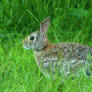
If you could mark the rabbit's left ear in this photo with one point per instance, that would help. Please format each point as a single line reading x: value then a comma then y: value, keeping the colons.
x: 44, y: 25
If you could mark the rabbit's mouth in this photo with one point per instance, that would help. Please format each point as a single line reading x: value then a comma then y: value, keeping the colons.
x: 26, y: 47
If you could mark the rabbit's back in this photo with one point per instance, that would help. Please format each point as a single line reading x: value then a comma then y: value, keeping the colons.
x: 66, y: 51
x: 73, y: 51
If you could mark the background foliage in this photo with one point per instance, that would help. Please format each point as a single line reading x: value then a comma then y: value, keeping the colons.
x: 71, y: 21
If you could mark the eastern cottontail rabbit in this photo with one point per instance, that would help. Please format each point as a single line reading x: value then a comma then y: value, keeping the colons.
x: 65, y: 57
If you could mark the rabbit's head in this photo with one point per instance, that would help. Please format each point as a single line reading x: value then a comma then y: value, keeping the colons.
x: 37, y: 40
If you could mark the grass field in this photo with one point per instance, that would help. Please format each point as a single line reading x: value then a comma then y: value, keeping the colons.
x: 71, y: 21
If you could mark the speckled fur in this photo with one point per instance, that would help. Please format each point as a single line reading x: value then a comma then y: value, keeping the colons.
x: 51, y: 57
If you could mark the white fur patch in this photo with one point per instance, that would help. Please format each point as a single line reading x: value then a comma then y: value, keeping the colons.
x: 50, y: 59
x: 26, y: 47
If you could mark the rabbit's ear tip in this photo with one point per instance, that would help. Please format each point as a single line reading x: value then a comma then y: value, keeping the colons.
x: 48, y: 18
x: 45, y: 20
x: 44, y: 25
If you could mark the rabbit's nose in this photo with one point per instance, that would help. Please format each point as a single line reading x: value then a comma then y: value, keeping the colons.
x: 24, y: 42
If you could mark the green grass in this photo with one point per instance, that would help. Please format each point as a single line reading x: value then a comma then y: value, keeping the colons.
x: 71, y: 21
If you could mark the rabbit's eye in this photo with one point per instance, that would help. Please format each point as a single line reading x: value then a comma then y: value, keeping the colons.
x: 32, y: 38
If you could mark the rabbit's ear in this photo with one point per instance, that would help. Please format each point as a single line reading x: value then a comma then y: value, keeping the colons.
x: 44, y: 25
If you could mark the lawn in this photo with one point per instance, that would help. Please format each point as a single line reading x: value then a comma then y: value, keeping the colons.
x: 71, y: 21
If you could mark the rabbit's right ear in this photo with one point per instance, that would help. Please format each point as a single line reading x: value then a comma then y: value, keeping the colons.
x: 44, y: 25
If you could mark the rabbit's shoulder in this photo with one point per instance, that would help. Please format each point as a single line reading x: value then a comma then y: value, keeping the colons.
x: 49, y: 50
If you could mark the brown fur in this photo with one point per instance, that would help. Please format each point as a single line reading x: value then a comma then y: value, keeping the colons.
x: 51, y: 56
